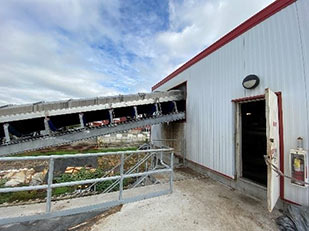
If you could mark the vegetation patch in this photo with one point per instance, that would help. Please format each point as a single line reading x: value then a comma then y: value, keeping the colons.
x: 82, y: 174
x: 65, y: 152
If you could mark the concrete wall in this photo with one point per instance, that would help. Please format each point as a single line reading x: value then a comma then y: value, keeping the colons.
x: 128, y: 138
x: 173, y: 134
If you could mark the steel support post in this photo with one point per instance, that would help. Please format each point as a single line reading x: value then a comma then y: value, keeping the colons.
x: 81, y: 120
x: 46, y: 125
x: 111, y: 116
x: 172, y: 173
x: 49, y: 182
x: 175, y: 107
x: 6, y: 132
x: 121, y: 177
x: 137, y: 170
x: 152, y: 161
x: 157, y: 109
x: 135, y: 112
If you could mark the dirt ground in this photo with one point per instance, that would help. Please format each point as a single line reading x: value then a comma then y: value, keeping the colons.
x: 196, y: 204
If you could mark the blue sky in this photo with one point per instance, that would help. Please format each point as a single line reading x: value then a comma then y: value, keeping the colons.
x: 62, y: 49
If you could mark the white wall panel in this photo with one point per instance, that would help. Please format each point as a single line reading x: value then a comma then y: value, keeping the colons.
x: 302, y: 8
x: 273, y: 52
x: 277, y: 50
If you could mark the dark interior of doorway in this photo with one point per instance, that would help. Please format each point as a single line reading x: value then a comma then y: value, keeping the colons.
x: 254, y: 141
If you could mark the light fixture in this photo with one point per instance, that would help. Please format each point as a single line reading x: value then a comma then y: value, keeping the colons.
x: 250, y: 82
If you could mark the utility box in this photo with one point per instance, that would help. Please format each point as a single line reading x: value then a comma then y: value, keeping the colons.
x: 299, y: 167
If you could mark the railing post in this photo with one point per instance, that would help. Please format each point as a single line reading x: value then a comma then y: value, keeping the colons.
x: 172, y: 173
x: 49, y: 182
x: 121, y: 175
x: 137, y: 170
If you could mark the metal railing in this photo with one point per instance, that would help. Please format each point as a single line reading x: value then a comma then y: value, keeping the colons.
x: 165, y: 169
x: 178, y: 145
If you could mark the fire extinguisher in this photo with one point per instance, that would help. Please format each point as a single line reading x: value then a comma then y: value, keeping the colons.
x: 298, y: 172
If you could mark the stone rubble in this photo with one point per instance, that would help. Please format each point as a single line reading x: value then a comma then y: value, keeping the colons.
x: 16, y: 177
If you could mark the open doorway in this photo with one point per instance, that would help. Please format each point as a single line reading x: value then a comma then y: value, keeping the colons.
x: 259, y: 133
x: 253, y: 139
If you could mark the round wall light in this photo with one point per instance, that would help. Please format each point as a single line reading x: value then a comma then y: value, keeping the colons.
x: 250, y: 82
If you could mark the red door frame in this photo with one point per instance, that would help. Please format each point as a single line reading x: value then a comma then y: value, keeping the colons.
x: 281, y: 140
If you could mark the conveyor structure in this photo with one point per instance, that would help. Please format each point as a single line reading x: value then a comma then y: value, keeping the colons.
x: 45, y: 124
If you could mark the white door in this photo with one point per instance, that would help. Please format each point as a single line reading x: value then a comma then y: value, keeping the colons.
x: 272, y: 134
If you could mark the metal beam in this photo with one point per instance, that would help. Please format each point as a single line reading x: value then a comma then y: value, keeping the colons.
x: 42, y: 109
x: 49, y: 141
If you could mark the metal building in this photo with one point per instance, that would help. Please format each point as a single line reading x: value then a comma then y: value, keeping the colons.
x: 226, y: 124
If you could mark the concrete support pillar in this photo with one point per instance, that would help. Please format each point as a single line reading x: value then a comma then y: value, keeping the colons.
x: 6, y: 132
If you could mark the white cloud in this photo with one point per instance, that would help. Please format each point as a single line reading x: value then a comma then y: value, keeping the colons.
x: 52, y: 50
x: 194, y: 25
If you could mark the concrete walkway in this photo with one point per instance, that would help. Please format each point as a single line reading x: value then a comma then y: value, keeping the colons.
x: 196, y: 204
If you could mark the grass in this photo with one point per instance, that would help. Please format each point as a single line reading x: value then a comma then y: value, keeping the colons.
x: 64, y: 152
x: 21, y: 196
x: 2, y: 182
x: 62, y: 190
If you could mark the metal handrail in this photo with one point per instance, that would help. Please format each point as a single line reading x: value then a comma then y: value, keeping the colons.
x: 119, y: 178
x: 132, y: 169
x: 115, y: 167
x: 82, y: 155
x: 165, y: 145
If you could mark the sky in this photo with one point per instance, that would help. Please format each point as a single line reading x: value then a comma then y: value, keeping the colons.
x: 63, y: 49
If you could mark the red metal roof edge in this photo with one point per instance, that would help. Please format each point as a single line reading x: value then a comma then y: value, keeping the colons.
x: 270, y: 10
x: 249, y: 98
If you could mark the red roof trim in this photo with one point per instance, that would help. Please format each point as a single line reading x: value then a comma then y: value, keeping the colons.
x: 251, y: 22
x: 250, y: 98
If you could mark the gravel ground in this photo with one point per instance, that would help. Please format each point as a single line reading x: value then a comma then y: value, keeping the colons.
x: 196, y: 204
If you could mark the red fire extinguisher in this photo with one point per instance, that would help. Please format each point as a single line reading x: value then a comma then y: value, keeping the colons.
x: 298, y: 172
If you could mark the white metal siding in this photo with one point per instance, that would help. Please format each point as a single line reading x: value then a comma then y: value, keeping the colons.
x: 276, y: 50
x: 302, y: 8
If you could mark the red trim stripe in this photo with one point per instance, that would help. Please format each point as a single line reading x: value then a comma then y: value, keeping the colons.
x: 250, y: 98
x: 270, y: 10
x: 291, y: 202
x: 281, y: 148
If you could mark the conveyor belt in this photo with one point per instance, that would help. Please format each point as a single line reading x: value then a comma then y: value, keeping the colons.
x: 42, y: 125
x: 10, y: 113
x: 83, y: 134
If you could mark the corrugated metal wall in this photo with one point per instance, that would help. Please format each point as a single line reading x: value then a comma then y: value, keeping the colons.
x: 276, y: 50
